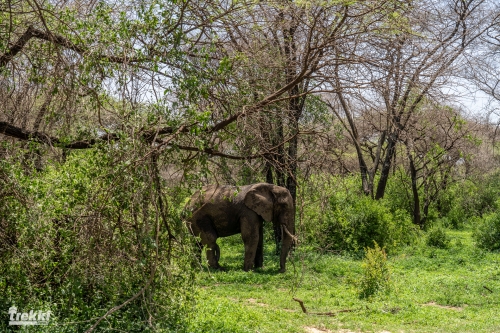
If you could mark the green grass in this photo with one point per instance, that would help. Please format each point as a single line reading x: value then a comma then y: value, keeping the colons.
x: 456, y: 289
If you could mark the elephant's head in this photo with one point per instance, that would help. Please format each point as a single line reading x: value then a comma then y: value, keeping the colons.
x: 274, y: 203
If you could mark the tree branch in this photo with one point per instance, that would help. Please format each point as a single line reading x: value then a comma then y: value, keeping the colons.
x: 32, y: 32
x: 16, y: 48
x: 26, y: 135
x: 213, y: 152
x: 148, y: 136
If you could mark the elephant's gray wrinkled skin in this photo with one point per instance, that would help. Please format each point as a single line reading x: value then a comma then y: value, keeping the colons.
x: 221, y: 211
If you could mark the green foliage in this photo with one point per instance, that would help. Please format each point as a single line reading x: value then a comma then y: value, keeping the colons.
x: 316, y: 112
x: 354, y: 224
x: 397, y: 195
x: 82, y: 237
x: 339, y: 218
x: 455, y: 205
x: 458, y: 203
x: 376, y: 274
x: 437, y: 237
x: 466, y: 199
x: 487, y: 232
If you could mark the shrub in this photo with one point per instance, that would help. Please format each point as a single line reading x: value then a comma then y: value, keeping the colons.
x: 397, y: 196
x: 465, y: 199
x: 459, y: 202
x: 336, y: 216
x: 376, y: 273
x: 437, y: 237
x: 487, y: 232
x: 92, y: 236
x: 356, y: 223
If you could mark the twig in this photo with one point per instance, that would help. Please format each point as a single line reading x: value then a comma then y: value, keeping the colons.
x: 331, y: 314
x: 116, y: 308
x: 491, y: 291
x: 301, y: 304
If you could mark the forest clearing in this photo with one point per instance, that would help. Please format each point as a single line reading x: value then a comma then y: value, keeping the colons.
x: 430, y: 290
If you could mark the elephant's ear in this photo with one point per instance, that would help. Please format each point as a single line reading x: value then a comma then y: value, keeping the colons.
x: 260, y: 201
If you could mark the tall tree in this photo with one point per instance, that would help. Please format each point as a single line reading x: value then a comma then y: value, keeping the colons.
x: 437, y: 144
x: 397, y: 71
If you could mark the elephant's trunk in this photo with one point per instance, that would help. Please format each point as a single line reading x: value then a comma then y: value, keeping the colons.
x: 287, y: 226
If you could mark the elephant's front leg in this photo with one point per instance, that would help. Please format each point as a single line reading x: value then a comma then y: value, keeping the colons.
x: 250, y: 236
x: 259, y: 255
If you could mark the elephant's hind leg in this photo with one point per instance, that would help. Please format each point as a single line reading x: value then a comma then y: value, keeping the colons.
x: 213, y: 250
x: 206, y: 230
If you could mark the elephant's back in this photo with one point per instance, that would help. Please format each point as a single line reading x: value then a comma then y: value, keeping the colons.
x: 214, y: 198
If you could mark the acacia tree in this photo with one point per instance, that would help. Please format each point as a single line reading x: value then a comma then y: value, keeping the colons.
x: 437, y: 144
x: 396, y: 72
x: 269, y: 57
x: 484, y: 69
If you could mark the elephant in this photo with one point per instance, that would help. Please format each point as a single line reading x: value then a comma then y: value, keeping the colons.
x: 224, y: 210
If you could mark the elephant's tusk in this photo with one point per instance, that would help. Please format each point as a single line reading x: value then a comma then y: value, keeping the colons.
x: 294, y: 238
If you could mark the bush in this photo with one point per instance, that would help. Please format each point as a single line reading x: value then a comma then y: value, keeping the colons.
x: 376, y: 273
x: 337, y: 217
x: 487, y: 232
x: 83, y: 237
x: 397, y: 196
x: 459, y: 202
x: 355, y: 224
x: 437, y: 237
x: 466, y: 199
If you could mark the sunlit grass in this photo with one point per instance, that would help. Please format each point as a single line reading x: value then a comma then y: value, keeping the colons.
x: 433, y: 290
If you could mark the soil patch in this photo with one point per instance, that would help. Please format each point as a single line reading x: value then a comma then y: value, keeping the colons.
x: 449, y: 307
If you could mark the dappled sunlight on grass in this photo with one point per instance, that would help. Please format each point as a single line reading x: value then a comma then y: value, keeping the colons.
x: 433, y: 290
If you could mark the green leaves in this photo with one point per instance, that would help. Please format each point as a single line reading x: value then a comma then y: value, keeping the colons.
x: 487, y: 232
x: 376, y: 274
x: 225, y: 66
x: 437, y: 237
x: 88, y: 240
x: 349, y: 221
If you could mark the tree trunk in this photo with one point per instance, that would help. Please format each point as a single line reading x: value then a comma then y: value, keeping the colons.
x: 386, y: 166
x: 291, y: 181
x: 268, y: 171
x: 296, y: 106
x: 280, y: 169
x: 417, y: 218
x: 366, y: 178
